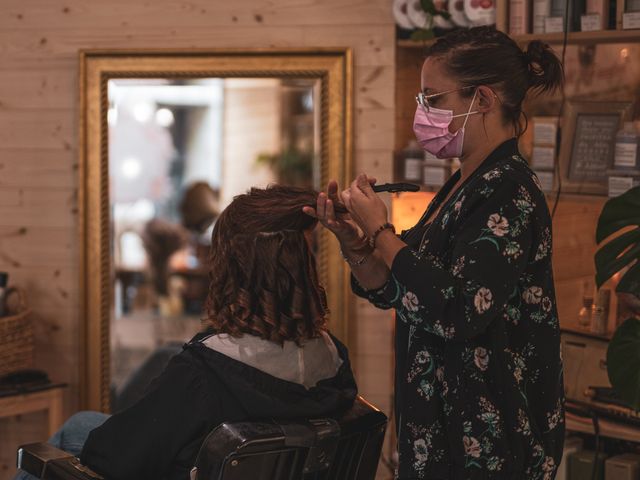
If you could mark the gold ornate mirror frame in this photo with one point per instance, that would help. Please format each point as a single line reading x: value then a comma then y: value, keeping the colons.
x: 333, y: 67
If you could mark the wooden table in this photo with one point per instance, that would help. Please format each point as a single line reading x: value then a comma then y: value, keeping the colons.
x: 49, y: 399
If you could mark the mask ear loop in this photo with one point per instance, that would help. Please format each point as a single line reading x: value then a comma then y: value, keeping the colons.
x: 469, y: 112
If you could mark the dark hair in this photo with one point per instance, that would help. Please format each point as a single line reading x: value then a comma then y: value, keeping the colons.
x: 486, y: 56
x: 263, y: 275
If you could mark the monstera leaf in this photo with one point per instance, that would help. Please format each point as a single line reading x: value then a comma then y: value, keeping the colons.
x: 623, y: 354
x: 623, y: 362
x: 623, y: 251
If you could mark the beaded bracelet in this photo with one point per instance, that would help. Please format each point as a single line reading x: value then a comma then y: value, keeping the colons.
x: 381, y: 228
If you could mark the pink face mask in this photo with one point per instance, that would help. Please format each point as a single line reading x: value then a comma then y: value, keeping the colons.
x: 431, y: 128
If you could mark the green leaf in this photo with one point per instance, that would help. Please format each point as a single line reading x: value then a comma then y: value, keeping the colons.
x: 421, y: 35
x: 619, y: 212
x: 623, y: 362
x: 616, y: 254
x: 630, y: 281
x: 445, y: 15
x: 429, y: 7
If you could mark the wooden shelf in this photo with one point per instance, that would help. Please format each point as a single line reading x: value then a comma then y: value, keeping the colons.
x: 585, y: 333
x: 608, y: 428
x: 574, y: 38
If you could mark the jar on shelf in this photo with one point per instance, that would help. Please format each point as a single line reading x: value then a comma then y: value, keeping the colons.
x: 412, y: 162
x: 600, y: 312
x: 585, y: 313
x: 436, y: 170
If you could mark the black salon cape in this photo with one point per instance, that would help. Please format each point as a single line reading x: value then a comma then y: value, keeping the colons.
x: 159, y: 437
x: 479, y: 390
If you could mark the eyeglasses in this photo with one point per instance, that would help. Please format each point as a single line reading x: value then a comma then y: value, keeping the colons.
x: 423, y: 99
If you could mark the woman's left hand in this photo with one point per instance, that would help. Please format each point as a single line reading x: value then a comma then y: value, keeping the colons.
x: 364, y: 205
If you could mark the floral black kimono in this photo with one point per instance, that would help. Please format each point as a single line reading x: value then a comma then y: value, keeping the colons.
x: 479, y: 388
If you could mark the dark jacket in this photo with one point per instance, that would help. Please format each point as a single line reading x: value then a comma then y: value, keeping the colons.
x: 479, y: 390
x: 159, y: 437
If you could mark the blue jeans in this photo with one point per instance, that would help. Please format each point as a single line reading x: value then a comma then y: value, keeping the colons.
x: 71, y: 436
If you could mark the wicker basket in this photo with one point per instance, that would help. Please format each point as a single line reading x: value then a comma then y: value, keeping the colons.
x: 16, y: 334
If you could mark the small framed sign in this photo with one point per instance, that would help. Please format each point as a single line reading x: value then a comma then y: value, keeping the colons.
x: 588, y: 144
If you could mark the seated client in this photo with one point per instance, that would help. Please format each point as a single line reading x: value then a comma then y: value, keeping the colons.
x: 266, y: 353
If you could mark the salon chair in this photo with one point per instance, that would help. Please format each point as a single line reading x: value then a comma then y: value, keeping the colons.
x: 341, y: 447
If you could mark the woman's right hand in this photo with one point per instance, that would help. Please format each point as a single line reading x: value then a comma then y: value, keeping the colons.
x: 341, y: 225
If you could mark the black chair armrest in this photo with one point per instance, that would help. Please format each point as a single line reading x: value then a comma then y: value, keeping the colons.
x: 49, y: 463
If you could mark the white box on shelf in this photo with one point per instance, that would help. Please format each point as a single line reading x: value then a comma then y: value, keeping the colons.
x: 619, y: 185
x: 622, y: 467
x: 541, y: 10
x: 630, y: 20
x: 601, y: 8
x: 545, y: 131
x: 571, y: 445
x: 434, y: 176
x: 412, y: 167
x: 546, y: 180
x: 553, y: 25
x: 591, y: 22
x: 518, y: 17
x: 543, y: 157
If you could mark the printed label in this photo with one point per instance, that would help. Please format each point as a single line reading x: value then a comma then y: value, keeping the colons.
x: 591, y: 22
x: 554, y: 25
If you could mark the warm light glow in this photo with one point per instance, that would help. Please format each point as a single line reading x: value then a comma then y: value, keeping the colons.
x: 112, y: 116
x: 164, y: 117
x: 131, y: 168
x: 408, y: 207
x: 142, y: 112
x: 624, y: 53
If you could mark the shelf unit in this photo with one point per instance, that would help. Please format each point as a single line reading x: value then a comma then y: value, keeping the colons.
x: 574, y: 38
x: 608, y: 428
x: 600, y: 36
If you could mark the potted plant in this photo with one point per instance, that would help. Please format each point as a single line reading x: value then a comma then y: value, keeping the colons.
x: 431, y: 10
x: 291, y: 166
x: 623, y: 253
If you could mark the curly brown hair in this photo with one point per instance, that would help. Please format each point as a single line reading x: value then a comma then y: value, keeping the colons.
x: 263, y: 274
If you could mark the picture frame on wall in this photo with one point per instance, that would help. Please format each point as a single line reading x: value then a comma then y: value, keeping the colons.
x: 588, y: 144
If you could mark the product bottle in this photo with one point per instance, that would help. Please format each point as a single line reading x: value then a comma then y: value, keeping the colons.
x: 436, y: 171
x: 600, y: 312
x: 413, y: 160
x: 626, y: 150
x: 4, y: 276
x: 584, y: 316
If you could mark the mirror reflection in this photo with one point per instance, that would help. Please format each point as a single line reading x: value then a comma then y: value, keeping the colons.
x: 179, y: 151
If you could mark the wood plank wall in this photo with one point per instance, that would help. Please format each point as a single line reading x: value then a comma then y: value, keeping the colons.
x: 39, y: 43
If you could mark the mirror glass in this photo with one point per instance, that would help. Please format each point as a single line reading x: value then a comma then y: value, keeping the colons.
x: 179, y: 151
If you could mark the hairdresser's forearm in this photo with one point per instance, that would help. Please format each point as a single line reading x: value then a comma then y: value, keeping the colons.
x: 387, y: 247
x: 373, y: 273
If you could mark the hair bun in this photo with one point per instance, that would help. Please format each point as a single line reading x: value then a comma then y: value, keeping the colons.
x: 545, y: 69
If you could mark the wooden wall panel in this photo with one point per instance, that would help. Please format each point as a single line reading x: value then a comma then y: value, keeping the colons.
x: 409, y: 66
x: 78, y: 15
x: 39, y: 129
x: 38, y: 168
x: 574, y: 247
x: 39, y: 43
x: 51, y: 87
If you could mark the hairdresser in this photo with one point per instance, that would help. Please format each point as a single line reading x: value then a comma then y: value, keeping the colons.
x: 478, y: 388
